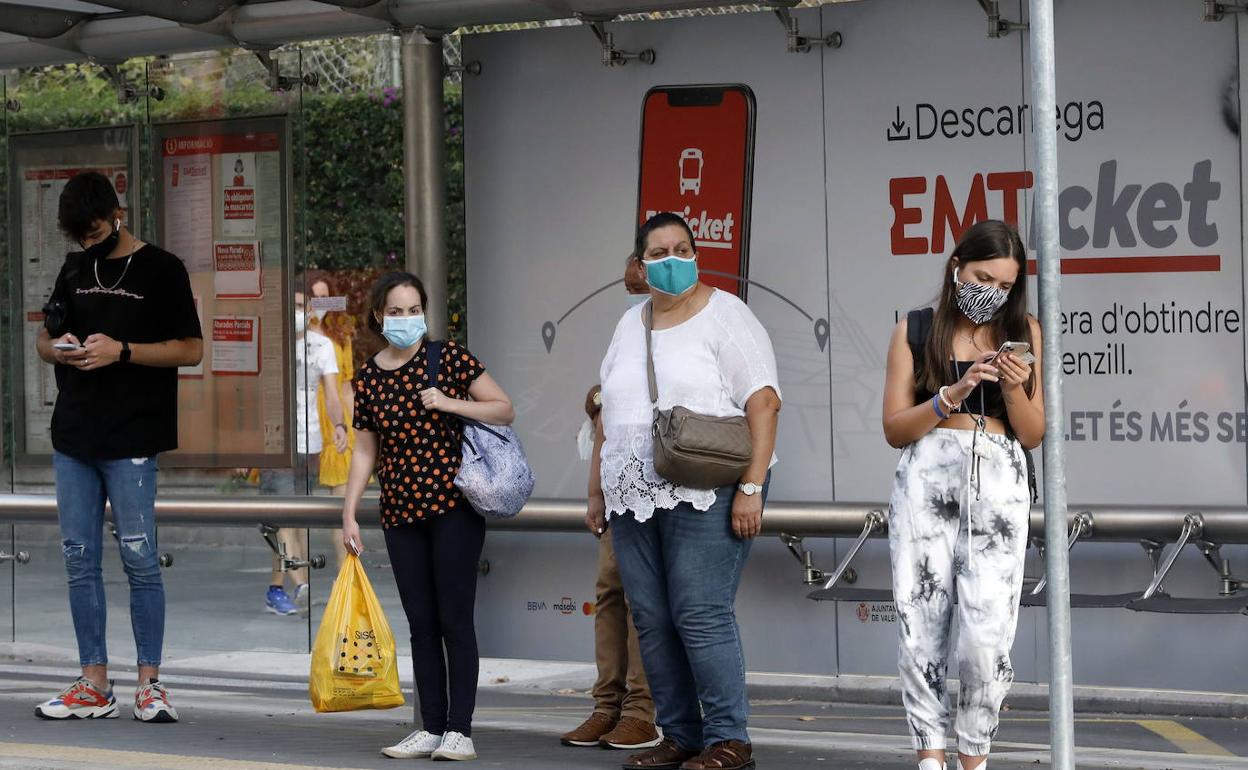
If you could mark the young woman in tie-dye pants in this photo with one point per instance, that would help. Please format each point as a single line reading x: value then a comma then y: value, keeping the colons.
x: 962, y: 408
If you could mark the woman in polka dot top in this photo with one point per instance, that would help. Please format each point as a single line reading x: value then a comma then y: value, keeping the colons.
x: 406, y: 430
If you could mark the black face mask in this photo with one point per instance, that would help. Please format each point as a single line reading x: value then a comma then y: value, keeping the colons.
x: 105, y: 247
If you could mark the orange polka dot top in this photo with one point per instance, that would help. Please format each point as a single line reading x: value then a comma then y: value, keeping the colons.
x: 418, y: 449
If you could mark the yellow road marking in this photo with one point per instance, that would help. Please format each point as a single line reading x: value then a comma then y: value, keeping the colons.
x: 1184, y: 737
x: 140, y: 759
x: 901, y: 718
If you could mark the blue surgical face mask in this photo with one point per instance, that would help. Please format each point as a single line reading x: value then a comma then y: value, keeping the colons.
x: 403, y: 331
x: 672, y: 274
x: 636, y: 299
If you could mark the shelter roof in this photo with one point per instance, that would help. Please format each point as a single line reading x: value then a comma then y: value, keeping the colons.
x: 40, y: 32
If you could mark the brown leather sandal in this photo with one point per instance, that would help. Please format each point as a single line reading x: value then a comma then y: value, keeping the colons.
x: 725, y: 755
x: 668, y: 755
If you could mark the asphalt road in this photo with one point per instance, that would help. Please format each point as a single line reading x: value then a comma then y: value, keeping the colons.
x: 235, y: 723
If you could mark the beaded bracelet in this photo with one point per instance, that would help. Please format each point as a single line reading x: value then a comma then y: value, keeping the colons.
x: 949, y: 405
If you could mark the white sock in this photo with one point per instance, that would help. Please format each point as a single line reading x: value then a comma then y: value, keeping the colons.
x: 982, y: 765
x: 931, y: 764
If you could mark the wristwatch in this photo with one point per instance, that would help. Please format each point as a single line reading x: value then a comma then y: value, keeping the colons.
x: 749, y: 488
x: 125, y: 353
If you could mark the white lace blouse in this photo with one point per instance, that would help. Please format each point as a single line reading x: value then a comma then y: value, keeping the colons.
x: 710, y: 364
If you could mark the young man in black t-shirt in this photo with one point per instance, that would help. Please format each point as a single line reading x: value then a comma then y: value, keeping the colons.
x: 120, y: 321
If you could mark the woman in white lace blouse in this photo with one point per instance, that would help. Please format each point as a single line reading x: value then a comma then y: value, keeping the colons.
x: 681, y: 550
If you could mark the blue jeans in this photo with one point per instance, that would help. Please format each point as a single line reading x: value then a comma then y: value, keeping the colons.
x: 82, y: 486
x: 681, y: 569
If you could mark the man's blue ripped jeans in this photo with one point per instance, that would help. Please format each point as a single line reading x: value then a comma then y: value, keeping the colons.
x: 82, y: 486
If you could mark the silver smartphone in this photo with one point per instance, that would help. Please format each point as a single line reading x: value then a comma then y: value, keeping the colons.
x: 1020, y: 350
x: 67, y: 346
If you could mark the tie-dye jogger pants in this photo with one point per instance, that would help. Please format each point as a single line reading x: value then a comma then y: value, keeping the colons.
x: 958, y: 533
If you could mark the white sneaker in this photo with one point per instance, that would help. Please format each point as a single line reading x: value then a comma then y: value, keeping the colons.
x: 455, y: 746
x: 418, y: 745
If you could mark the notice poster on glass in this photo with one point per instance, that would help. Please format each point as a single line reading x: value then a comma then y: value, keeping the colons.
x: 222, y: 205
x: 188, y: 189
x: 235, y: 346
x: 39, y: 167
x: 236, y: 267
x: 238, y: 194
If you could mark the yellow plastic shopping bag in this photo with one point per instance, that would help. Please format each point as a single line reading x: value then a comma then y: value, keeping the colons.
x: 353, y: 663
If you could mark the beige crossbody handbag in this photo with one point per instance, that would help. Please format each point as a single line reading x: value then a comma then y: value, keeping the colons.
x: 691, y: 449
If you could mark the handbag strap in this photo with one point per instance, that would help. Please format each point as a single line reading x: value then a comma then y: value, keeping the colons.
x: 653, y: 382
x: 433, y: 365
x: 433, y: 361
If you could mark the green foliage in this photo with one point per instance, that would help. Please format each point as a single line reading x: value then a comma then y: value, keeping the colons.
x: 353, y: 154
x: 456, y: 249
x: 351, y: 162
x: 354, y: 188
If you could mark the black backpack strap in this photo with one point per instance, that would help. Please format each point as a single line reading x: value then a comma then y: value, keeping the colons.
x: 73, y: 266
x: 918, y: 329
x: 56, y: 311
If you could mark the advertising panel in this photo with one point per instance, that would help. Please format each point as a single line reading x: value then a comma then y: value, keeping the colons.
x: 696, y: 159
x: 870, y: 162
x: 552, y: 206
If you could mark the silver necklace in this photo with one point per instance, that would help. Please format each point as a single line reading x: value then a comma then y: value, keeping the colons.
x: 971, y: 339
x: 124, y: 270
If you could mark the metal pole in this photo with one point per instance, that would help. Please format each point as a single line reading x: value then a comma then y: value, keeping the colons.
x: 1057, y: 562
x: 424, y: 171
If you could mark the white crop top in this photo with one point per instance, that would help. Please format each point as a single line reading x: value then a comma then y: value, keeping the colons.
x: 710, y: 364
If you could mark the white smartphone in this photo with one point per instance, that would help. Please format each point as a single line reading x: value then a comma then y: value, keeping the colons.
x: 1020, y: 350
x: 67, y: 346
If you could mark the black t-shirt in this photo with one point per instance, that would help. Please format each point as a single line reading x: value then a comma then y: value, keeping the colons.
x: 123, y: 410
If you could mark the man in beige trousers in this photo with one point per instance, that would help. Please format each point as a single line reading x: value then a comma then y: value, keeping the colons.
x: 623, y: 716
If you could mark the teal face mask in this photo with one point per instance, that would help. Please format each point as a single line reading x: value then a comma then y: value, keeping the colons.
x: 403, y: 331
x: 672, y: 274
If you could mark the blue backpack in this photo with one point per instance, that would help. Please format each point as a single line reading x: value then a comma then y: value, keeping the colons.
x: 494, y: 475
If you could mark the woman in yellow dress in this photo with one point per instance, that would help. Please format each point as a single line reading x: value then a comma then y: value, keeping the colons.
x: 340, y: 329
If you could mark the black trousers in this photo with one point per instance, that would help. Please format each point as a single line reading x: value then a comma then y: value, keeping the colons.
x: 435, y: 566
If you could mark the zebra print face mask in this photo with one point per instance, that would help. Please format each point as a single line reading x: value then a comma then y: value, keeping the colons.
x: 977, y: 301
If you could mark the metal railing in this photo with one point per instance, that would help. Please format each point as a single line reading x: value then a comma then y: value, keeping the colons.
x: 1152, y: 527
x: 1225, y: 525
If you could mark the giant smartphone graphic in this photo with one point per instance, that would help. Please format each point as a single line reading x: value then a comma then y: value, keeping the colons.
x: 697, y: 160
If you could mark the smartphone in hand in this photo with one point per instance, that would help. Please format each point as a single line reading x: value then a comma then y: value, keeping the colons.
x: 1020, y: 350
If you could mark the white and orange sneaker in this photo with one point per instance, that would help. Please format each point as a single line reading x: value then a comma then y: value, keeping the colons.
x: 81, y: 700
x: 151, y: 703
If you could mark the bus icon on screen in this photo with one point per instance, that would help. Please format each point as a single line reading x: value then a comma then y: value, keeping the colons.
x: 691, y: 170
